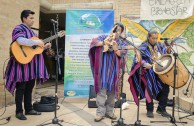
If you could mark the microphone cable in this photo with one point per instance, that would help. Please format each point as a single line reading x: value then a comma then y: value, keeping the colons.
x: 7, y: 118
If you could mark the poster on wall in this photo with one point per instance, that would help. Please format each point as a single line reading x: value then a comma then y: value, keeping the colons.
x: 81, y: 27
x: 180, y: 30
x: 166, y: 9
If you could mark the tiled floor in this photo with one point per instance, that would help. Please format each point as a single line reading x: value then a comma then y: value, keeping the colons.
x: 75, y: 112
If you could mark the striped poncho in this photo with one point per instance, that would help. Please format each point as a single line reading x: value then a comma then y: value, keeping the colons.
x: 105, y: 66
x: 16, y: 72
x: 150, y: 85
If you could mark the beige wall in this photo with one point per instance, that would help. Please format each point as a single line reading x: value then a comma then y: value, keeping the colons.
x: 9, y: 17
x: 121, y: 7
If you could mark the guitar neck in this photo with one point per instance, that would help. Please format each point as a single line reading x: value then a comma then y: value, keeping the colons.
x: 50, y: 38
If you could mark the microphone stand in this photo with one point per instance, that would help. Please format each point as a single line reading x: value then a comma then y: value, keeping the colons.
x: 55, y: 120
x: 172, y: 118
x: 120, y: 121
x: 138, y: 121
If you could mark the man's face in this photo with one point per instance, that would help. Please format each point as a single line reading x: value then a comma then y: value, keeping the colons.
x: 29, y: 21
x: 153, y: 38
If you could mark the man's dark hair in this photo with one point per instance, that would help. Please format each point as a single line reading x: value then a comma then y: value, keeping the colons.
x: 25, y: 14
x: 120, y: 25
x: 152, y: 32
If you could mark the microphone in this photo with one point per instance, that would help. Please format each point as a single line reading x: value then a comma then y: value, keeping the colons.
x: 165, y: 41
x: 35, y: 28
x: 53, y: 21
x: 172, y: 41
x: 164, y: 38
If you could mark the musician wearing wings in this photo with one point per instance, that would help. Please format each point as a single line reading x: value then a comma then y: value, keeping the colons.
x: 22, y: 76
x: 151, y: 86
x: 105, y: 66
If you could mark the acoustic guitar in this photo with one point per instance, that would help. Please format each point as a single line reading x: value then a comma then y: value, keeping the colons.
x: 24, y: 54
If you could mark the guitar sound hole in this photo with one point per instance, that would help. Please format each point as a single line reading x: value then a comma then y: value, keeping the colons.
x: 34, y: 47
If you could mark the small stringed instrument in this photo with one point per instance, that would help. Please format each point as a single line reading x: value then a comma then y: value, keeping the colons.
x: 24, y: 54
x: 109, y: 46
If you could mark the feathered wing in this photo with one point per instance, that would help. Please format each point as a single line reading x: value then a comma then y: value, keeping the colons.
x: 135, y: 28
x: 177, y: 27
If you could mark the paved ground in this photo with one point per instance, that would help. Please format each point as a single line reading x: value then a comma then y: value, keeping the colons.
x: 75, y: 112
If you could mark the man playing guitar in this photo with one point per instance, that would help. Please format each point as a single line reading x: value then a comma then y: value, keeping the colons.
x: 22, y: 76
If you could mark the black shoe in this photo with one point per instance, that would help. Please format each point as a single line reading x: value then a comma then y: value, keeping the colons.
x: 33, y: 112
x: 20, y: 116
x: 163, y: 113
x: 150, y: 114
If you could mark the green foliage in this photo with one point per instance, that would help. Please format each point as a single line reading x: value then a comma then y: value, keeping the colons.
x: 130, y: 56
x: 189, y: 34
x: 185, y: 58
x: 162, y: 23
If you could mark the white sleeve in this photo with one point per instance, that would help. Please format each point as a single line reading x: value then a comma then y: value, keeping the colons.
x: 26, y: 42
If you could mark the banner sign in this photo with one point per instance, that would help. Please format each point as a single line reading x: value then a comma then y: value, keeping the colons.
x: 81, y: 27
x: 166, y: 9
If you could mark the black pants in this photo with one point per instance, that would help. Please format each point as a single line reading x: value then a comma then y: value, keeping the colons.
x: 162, y: 97
x: 24, y: 90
